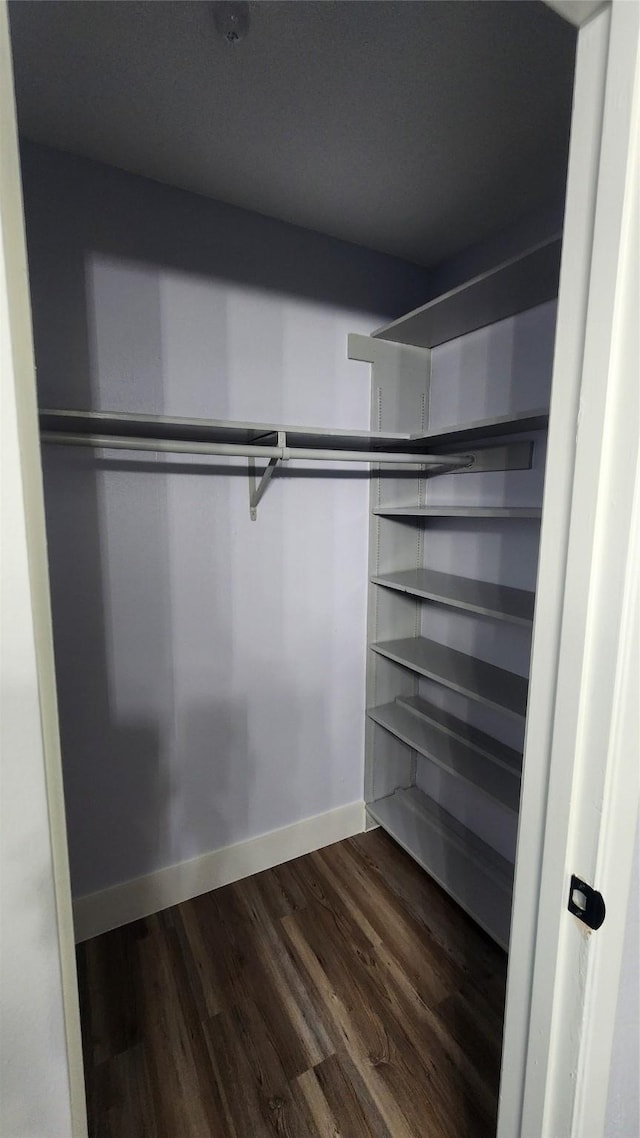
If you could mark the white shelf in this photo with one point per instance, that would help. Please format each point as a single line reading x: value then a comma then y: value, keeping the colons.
x: 452, y: 753
x: 520, y: 283
x: 133, y: 425
x: 483, y: 597
x: 125, y: 431
x: 458, y: 511
x: 495, y: 687
x: 129, y: 425
x: 473, y: 737
x: 493, y: 428
x: 478, y: 878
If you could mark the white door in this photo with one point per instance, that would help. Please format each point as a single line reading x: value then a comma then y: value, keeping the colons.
x: 580, y: 790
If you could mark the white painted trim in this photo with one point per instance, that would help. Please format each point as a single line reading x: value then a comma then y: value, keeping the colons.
x: 586, y: 826
x: 95, y: 913
x: 594, y: 780
x: 573, y: 297
x: 27, y: 520
x: 613, y: 871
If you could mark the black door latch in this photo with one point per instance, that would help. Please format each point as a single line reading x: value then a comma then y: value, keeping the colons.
x: 586, y: 903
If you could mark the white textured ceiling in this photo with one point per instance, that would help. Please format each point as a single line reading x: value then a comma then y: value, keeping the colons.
x: 415, y: 128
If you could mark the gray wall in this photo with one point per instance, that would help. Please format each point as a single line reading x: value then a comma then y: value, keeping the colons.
x: 210, y: 669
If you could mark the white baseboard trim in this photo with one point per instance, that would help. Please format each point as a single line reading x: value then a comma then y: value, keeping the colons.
x: 118, y: 905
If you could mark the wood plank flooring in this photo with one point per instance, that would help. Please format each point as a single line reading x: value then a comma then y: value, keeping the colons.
x: 342, y: 995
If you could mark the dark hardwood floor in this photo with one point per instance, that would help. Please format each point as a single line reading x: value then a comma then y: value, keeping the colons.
x: 342, y: 995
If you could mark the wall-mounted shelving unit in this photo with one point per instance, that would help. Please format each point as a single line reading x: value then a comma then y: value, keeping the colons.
x: 273, y: 443
x: 405, y: 730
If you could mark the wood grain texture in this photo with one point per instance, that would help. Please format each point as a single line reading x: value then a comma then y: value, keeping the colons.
x: 341, y: 995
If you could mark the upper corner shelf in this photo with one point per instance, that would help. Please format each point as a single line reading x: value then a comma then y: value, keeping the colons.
x: 518, y: 422
x: 512, y: 287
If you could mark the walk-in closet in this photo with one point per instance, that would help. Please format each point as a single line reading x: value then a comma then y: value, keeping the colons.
x: 294, y: 273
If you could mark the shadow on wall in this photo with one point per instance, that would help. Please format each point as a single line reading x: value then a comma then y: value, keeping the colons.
x: 210, y: 675
x: 110, y: 212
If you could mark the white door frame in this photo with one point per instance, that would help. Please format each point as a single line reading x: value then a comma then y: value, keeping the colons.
x: 42, y: 1087
x: 580, y: 787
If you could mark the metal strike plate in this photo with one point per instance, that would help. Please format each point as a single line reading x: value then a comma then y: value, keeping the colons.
x: 586, y: 903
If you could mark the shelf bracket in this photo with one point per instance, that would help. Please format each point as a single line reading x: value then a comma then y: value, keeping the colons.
x: 257, y: 489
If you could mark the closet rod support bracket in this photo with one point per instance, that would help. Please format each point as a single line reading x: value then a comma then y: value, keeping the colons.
x: 257, y: 489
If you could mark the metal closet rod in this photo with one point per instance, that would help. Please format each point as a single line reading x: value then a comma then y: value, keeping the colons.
x: 247, y: 450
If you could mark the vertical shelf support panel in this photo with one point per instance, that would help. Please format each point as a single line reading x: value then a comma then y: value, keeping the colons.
x: 400, y: 377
